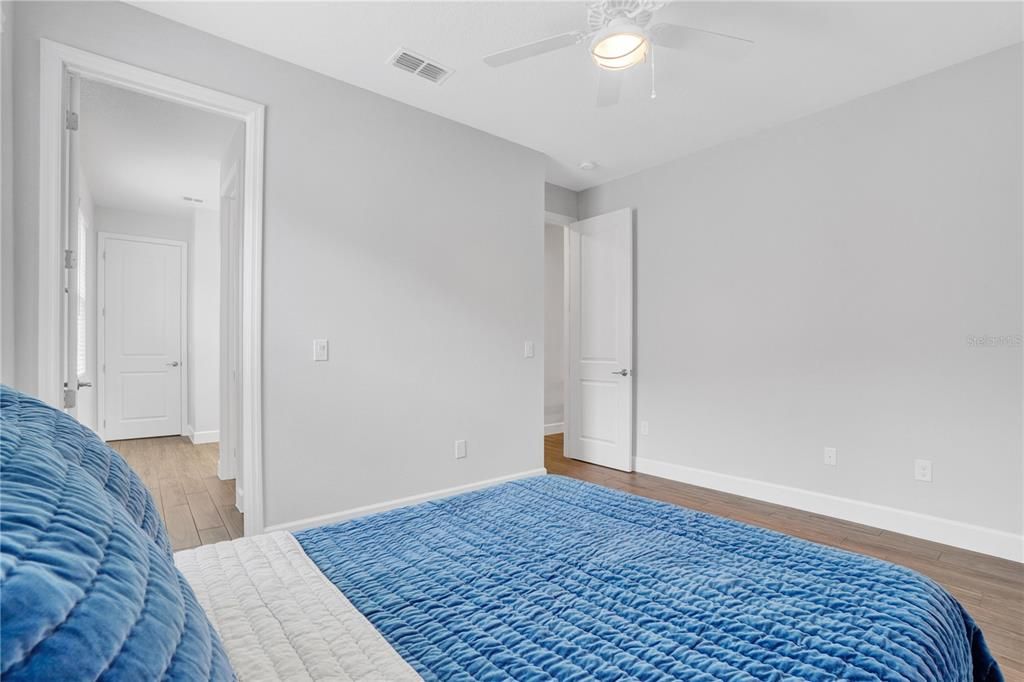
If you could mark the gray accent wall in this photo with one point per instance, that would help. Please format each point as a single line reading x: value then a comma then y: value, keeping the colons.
x: 825, y: 284
x: 413, y: 243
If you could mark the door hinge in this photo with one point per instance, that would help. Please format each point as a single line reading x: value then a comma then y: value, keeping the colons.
x: 70, y: 395
x: 70, y: 120
x: 70, y: 259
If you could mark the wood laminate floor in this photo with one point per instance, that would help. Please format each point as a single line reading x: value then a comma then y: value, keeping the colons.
x: 197, y: 507
x: 991, y: 589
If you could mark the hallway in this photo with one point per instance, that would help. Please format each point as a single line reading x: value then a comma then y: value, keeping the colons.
x: 197, y: 507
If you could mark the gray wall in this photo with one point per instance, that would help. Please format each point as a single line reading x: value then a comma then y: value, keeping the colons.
x: 204, y: 324
x: 141, y: 224
x: 816, y: 284
x: 426, y: 275
x: 558, y: 199
x: 7, y: 353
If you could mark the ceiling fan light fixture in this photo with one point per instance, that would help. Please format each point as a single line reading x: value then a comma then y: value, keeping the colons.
x: 619, y: 47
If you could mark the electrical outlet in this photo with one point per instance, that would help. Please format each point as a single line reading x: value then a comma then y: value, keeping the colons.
x: 319, y: 350
x: 460, y: 449
x: 645, y: 428
x: 830, y: 457
x: 923, y: 470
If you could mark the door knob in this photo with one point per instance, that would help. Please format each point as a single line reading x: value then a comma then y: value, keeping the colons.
x: 622, y: 372
x: 172, y: 364
x: 84, y: 384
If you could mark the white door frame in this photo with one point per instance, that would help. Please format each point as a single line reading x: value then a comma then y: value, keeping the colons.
x: 101, y: 327
x: 56, y: 59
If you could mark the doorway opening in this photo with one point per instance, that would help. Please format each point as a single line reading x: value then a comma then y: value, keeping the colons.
x: 589, y: 332
x: 555, y: 235
x: 149, y: 277
x: 150, y: 259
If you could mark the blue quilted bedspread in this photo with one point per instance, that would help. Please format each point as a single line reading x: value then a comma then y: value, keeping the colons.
x: 551, y: 578
x: 88, y: 586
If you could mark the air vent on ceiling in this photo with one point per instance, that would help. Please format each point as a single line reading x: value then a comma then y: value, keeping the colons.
x: 193, y: 200
x: 420, y: 65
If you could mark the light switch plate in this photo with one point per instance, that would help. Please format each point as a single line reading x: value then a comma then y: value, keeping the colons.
x: 460, y: 449
x: 645, y: 428
x: 528, y: 349
x: 830, y: 457
x: 320, y: 350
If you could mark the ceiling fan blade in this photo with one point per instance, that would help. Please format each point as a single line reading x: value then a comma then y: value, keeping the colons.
x: 676, y: 37
x: 609, y: 87
x: 533, y: 49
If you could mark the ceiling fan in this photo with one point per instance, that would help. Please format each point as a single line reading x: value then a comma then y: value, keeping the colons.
x: 619, y: 38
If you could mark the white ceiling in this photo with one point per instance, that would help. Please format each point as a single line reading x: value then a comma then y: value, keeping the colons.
x: 144, y: 154
x: 808, y: 56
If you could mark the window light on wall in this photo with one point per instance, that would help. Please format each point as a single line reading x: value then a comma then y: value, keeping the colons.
x: 83, y: 229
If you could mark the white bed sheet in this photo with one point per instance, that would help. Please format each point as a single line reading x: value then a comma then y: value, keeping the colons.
x: 280, y: 618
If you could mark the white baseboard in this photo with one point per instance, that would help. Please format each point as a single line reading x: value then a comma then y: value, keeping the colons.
x: 558, y: 427
x: 946, y: 531
x: 356, y: 512
x: 200, y: 437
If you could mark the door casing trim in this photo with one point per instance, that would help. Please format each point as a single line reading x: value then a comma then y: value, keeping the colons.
x: 56, y: 60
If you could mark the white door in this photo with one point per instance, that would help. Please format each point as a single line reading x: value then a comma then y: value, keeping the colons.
x: 599, y: 425
x: 142, y: 299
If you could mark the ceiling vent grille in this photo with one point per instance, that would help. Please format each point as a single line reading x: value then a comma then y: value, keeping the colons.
x: 420, y: 65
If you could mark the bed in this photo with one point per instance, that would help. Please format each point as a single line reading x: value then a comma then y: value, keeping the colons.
x: 543, y: 578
